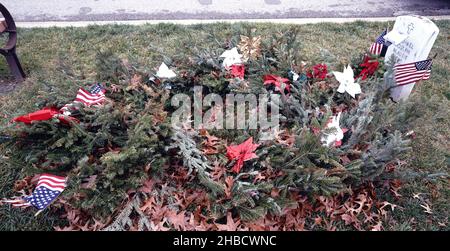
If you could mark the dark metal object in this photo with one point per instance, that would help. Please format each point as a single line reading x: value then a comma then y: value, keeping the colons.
x: 9, y: 50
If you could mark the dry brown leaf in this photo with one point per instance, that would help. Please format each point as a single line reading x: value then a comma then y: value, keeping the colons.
x: 67, y: 228
x: 229, y: 182
x: 148, y: 204
x: 147, y: 187
x: 427, y: 208
x: 218, y: 171
x: 231, y: 224
x: 211, y: 143
x: 89, y: 182
x: 416, y: 196
x: 135, y: 82
x: 377, y: 227
x: 178, y: 221
x: 285, y: 138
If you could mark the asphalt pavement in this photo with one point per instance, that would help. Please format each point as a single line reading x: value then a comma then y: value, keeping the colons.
x: 121, y: 10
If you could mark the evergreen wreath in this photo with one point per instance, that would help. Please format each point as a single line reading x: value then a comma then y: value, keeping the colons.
x: 125, y: 151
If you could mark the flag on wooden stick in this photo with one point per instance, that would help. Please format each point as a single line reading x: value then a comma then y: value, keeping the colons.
x: 379, y: 47
x: 48, y: 188
x: 412, y: 72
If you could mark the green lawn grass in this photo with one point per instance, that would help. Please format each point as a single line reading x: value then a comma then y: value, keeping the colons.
x: 59, y: 60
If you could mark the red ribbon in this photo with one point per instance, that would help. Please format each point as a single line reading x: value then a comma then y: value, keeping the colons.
x: 46, y: 113
x: 319, y: 71
x: 370, y: 66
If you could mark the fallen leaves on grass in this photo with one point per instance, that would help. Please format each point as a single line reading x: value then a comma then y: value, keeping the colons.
x: 177, y: 208
x: 229, y: 182
x: 178, y: 220
x: 283, y: 137
x: 416, y: 196
x: 79, y: 220
x: 231, y: 225
x: 427, y: 208
x: 211, y: 144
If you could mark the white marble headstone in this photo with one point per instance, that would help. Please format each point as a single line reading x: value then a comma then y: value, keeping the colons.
x: 412, y: 38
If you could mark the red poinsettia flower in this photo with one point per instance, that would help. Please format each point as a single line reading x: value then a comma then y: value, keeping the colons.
x: 279, y: 82
x: 241, y: 153
x: 238, y: 71
x: 369, y: 66
x: 319, y: 71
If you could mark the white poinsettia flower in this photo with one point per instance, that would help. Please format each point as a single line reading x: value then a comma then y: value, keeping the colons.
x: 231, y: 57
x: 337, y: 133
x: 347, y: 82
x: 165, y: 72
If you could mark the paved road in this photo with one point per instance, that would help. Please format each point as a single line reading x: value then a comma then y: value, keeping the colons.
x: 106, y: 10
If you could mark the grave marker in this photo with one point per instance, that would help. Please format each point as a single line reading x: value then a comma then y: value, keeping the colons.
x: 412, y: 38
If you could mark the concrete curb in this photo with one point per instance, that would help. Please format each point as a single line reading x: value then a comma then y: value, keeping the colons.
x: 208, y: 21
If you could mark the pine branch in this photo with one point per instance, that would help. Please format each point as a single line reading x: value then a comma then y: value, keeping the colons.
x: 194, y: 159
x: 124, y: 221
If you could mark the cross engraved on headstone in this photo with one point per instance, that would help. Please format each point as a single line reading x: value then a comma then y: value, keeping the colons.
x: 410, y: 28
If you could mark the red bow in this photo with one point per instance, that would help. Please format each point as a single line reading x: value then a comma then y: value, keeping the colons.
x: 319, y: 71
x: 370, y: 66
x: 44, y: 114
x: 279, y: 82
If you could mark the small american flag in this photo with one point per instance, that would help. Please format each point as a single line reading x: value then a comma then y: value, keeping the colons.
x: 17, y: 202
x: 412, y: 72
x: 95, y: 96
x: 97, y: 88
x: 380, y: 45
x: 48, y: 188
